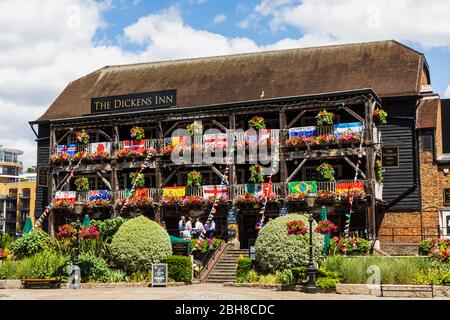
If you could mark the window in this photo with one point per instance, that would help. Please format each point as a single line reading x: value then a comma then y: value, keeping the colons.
x: 427, y: 142
x: 311, y: 120
x: 309, y: 172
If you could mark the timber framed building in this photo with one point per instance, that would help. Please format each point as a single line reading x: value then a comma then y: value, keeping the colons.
x: 288, y: 88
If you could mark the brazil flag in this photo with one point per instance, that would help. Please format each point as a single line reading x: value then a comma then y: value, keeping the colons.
x: 302, y: 187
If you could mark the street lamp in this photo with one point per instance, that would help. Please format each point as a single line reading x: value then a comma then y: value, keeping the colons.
x: 310, y: 199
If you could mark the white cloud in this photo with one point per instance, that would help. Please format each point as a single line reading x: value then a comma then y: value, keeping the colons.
x: 219, y: 18
x: 423, y: 22
x: 447, y: 92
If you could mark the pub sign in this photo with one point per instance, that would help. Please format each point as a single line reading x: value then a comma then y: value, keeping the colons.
x: 390, y: 156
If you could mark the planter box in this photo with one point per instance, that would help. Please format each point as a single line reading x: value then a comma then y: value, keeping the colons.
x: 10, y: 284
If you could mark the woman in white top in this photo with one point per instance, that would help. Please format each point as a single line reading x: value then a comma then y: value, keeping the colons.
x: 198, y: 227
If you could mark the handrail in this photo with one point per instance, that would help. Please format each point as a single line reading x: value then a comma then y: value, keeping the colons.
x: 212, y: 261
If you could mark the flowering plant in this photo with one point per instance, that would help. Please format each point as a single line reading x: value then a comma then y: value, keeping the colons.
x: 167, y: 150
x: 296, y: 227
x: 67, y: 231
x: 301, y: 141
x: 326, y: 139
x: 152, y: 152
x: 438, y: 249
x: 326, y: 171
x: 137, y: 133
x: 90, y: 232
x: 172, y: 201
x: 140, y: 202
x: 351, y: 246
x: 379, y: 171
x: 256, y: 174
x: 324, y: 118
x: 194, y: 179
x: 99, y: 203
x: 195, y: 128
x: 78, y: 156
x: 349, y: 137
x: 64, y: 157
x: 99, y: 155
x: 82, y: 184
x: 325, y: 195
x: 381, y: 115
x: 257, y: 123
x: 206, y: 245
x: 82, y: 137
x: 249, y: 198
x: 295, y: 197
x: 4, y: 253
x: 326, y: 227
x: 62, y: 203
x: 353, y: 194
x: 137, y: 180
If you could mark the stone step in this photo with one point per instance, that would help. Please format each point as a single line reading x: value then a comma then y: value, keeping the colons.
x: 217, y: 281
x: 224, y: 267
x: 227, y: 279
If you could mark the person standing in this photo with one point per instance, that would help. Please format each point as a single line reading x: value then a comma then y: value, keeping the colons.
x: 210, y: 228
x: 259, y: 225
x: 181, y: 225
x: 198, y: 227
x: 189, y: 224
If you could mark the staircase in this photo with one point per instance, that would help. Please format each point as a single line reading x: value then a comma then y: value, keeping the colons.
x: 225, y: 268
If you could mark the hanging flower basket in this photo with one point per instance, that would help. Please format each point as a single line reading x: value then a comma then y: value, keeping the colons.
x: 195, y: 128
x: 194, y: 179
x: 256, y: 174
x: 295, y: 197
x: 326, y: 227
x: 82, y: 184
x: 325, y: 139
x: 62, y: 204
x: 60, y: 158
x: 324, y: 118
x: 248, y: 198
x: 137, y: 133
x: 102, y: 203
x: 302, y: 141
x: 78, y: 156
x: 257, y: 123
x: 82, y: 138
x: 99, y: 155
x: 296, y: 227
x: 380, y: 115
x: 349, y: 137
x: 326, y: 172
x: 141, y: 202
x: 379, y: 171
x: 325, y: 195
x: 137, y: 180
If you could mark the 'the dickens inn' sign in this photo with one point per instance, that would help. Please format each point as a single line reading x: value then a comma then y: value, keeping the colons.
x: 134, y: 102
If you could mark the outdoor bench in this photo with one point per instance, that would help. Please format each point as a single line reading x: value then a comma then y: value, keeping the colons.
x: 40, y: 283
x: 407, y: 288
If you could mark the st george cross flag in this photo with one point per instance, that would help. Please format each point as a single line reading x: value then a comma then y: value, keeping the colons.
x: 302, y: 187
x: 96, y: 195
x: 352, y: 127
x: 66, y: 195
x: 134, y: 144
x: 99, y: 147
x: 344, y: 187
x: 69, y: 149
x: 215, y: 140
x: 303, y: 131
x: 214, y: 190
x: 174, y: 191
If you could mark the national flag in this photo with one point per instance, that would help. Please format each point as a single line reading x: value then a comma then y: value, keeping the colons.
x: 302, y: 187
x: 66, y: 195
x: 344, y: 187
x: 303, y: 131
x: 140, y: 193
x: 346, y: 128
x: 267, y: 189
x: 134, y: 145
x: 100, y: 147
x: 174, y: 191
x: 95, y: 195
x: 212, y: 191
x: 69, y: 149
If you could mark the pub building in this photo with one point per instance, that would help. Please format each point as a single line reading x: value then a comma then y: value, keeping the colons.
x: 322, y: 107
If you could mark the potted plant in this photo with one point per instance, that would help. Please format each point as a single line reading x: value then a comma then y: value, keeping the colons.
x: 137, y: 179
x: 380, y: 115
x: 324, y: 118
x: 325, y: 171
x: 194, y: 179
x: 82, y: 137
x: 82, y: 184
x: 296, y: 227
x: 195, y: 128
x: 326, y: 227
x: 256, y: 174
x: 137, y: 133
x: 257, y: 123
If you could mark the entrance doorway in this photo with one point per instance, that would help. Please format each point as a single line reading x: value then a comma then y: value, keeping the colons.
x: 444, y: 223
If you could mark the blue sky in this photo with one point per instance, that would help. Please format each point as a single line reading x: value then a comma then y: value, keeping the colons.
x: 46, y: 44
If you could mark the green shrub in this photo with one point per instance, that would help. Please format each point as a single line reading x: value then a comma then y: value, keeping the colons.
x: 277, y: 250
x: 286, y: 276
x: 327, y: 283
x: 244, y: 266
x: 268, y: 278
x: 179, y: 268
x: 299, y: 274
x: 349, y: 246
x: 43, y: 265
x: 252, y: 276
x: 5, y: 240
x: 93, y: 268
x: 30, y: 244
x: 138, y: 243
x: 108, y: 227
x: 425, y: 247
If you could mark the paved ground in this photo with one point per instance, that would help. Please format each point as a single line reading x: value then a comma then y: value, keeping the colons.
x: 191, y: 292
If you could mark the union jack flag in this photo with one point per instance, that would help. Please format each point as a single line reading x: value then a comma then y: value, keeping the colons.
x: 69, y: 149
x: 95, y: 195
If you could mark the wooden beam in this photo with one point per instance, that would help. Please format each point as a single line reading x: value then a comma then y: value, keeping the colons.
x: 350, y: 162
x: 65, y: 135
x: 216, y: 171
x: 297, y: 117
x: 296, y: 170
x: 353, y: 113
x: 105, y: 135
x: 106, y: 182
x: 170, y: 129
x: 62, y: 182
x: 221, y: 126
x: 170, y: 176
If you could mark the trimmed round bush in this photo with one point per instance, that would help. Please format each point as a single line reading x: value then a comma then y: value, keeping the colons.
x: 179, y: 268
x: 138, y: 243
x: 277, y: 250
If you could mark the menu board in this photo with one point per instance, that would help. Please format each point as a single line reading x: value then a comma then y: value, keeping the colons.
x: 159, y: 274
x: 42, y: 177
x: 390, y: 156
x: 446, y: 197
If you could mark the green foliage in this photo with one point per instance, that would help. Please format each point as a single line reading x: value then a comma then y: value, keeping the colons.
x: 436, y: 273
x: 327, y: 283
x: 268, y: 278
x: 93, y: 268
x: 425, y: 247
x: 207, y: 245
x: 194, y: 179
x: 30, y: 244
x: 5, y: 240
x: 244, y: 266
x: 277, y: 250
x: 286, y: 276
x: 108, y: 227
x: 138, y: 243
x: 381, y: 115
x: 325, y: 171
x: 141, y: 276
x: 379, y: 170
x: 300, y: 274
x: 324, y: 118
x: 137, y: 179
x: 179, y: 268
x: 349, y: 246
x: 82, y: 184
x: 43, y: 265
x: 256, y: 174
x: 253, y: 276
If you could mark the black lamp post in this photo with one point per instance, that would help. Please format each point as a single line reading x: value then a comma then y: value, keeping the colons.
x: 311, y: 285
x: 79, y: 206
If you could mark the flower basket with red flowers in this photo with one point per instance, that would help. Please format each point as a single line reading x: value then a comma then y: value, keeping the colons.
x: 62, y: 204
x: 325, y: 195
x: 349, y: 137
x: 167, y: 150
x: 78, y: 156
x: 351, y: 246
x: 82, y: 137
x: 60, y: 158
x: 325, y: 139
x: 295, y: 197
x: 356, y: 194
x: 296, y: 227
x: 122, y: 153
x: 438, y: 249
x: 152, y: 152
x: 324, y: 118
x: 172, y: 201
x: 326, y: 227
x: 248, y: 198
x: 195, y: 201
x: 257, y: 123
x: 66, y: 231
x: 102, y: 203
x: 137, y: 133
x: 90, y: 232
x: 99, y: 155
